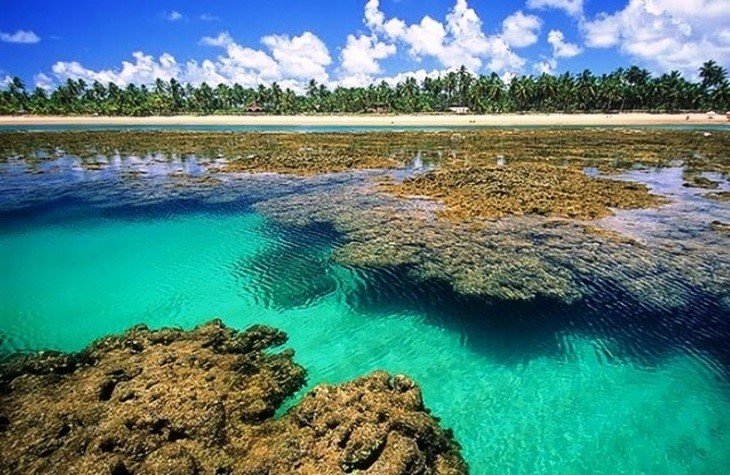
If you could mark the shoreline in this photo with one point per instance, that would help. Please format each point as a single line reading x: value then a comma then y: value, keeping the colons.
x: 443, y: 120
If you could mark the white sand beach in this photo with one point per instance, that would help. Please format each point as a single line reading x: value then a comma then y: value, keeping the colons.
x: 432, y: 120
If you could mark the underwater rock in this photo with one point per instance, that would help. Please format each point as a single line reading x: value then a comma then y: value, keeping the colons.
x: 203, y: 401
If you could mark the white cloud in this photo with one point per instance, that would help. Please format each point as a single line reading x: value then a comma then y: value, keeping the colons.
x: 143, y: 70
x: 5, y: 81
x: 223, y: 39
x: 603, y: 32
x: 300, y: 57
x: 457, y: 41
x: 667, y: 34
x: 520, y: 30
x: 418, y: 75
x: 547, y: 66
x: 561, y: 48
x: 20, y: 36
x: 361, y: 56
x: 571, y: 7
x: 242, y: 64
x: 363, y: 80
x: 209, y: 17
x: 502, y: 58
x: 291, y: 62
x: 173, y: 16
x: 43, y: 81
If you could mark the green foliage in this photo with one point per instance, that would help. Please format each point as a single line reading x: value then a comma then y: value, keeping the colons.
x: 630, y: 89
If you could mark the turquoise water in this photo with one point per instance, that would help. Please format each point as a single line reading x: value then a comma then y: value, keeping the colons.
x: 530, y: 388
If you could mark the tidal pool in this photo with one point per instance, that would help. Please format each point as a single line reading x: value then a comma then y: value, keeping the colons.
x: 532, y: 387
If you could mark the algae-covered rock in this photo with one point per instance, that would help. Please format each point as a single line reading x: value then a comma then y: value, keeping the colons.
x: 525, y: 189
x: 203, y: 401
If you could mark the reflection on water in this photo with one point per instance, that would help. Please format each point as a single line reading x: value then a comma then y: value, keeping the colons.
x: 609, y: 383
x: 687, y: 216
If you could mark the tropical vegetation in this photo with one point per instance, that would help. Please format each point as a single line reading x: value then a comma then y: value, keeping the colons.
x: 632, y: 89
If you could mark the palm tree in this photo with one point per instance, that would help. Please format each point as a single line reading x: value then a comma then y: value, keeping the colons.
x: 626, y: 89
x: 712, y: 75
x: 522, y: 91
x: 586, y: 88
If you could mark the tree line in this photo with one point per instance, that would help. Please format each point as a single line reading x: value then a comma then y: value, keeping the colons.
x: 625, y: 89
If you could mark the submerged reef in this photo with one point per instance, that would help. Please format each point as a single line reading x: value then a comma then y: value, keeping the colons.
x: 512, y: 258
x: 203, y: 401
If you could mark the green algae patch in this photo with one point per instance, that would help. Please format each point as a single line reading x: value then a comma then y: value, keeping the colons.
x: 524, y: 188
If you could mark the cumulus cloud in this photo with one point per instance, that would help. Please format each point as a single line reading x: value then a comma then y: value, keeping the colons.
x: 360, y: 59
x: 520, y: 30
x: 290, y: 60
x: 667, y: 34
x: 459, y: 40
x: 561, y: 48
x: 20, y: 36
x: 571, y: 7
x: 300, y: 57
x: 143, y: 70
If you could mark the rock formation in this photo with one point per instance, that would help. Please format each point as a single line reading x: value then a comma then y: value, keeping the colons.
x: 203, y: 401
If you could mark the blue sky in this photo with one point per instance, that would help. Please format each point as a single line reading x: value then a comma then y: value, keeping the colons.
x: 351, y: 42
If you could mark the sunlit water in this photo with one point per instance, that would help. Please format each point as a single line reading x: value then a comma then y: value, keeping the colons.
x: 527, y: 388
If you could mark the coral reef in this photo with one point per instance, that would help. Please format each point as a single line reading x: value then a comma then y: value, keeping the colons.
x: 203, y: 401
x: 304, y: 154
x: 513, y: 258
x: 524, y: 188
x: 506, y: 214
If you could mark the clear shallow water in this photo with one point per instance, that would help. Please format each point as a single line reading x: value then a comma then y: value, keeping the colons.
x: 531, y: 388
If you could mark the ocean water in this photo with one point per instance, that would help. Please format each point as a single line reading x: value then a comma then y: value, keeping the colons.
x: 538, y: 387
x: 718, y: 127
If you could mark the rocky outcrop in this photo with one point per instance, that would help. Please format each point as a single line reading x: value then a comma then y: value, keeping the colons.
x: 203, y: 401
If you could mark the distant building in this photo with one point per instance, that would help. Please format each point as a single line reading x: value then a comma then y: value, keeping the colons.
x: 254, y: 108
x: 459, y: 109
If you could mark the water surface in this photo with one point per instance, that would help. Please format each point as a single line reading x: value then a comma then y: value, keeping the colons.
x: 338, y: 128
x: 537, y: 387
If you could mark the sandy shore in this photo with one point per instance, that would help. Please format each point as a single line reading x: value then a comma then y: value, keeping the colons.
x: 382, y: 120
